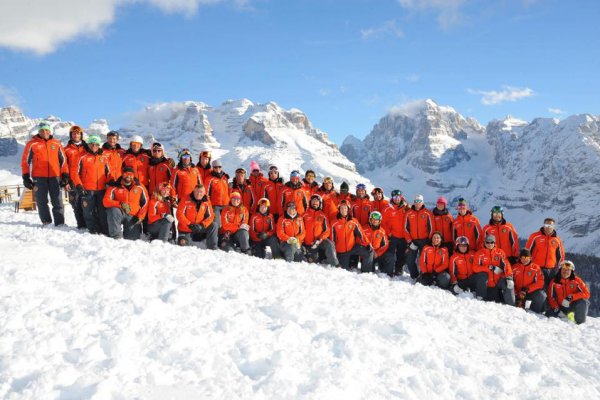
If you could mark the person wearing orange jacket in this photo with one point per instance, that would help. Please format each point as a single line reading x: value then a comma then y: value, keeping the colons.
x: 196, y: 220
x: 394, y: 223
x: 257, y: 180
x: 345, y: 195
x: 126, y: 202
x: 159, y: 169
x: 138, y: 158
x: 185, y: 176
x: 505, y: 233
x: 384, y: 255
x: 442, y: 222
x: 350, y: 239
x: 234, y: 229
x: 379, y: 203
x: 73, y: 150
x: 218, y: 190
x: 547, y: 249
x: 204, y: 165
x: 243, y: 186
x: 419, y: 227
x: 529, y: 283
x: 291, y: 232
x: 293, y: 191
x: 493, y: 261
x: 90, y: 176
x: 330, y: 198
x: 462, y: 273
x: 309, y: 183
x: 361, y: 206
x: 434, y: 263
x: 45, y: 170
x: 317, y: 244
x: 467, y: 224
x: 272, y: 192
x: 263, y: 231
x: 160, y: 213
x: 568, y: 295
x: 113, y: 149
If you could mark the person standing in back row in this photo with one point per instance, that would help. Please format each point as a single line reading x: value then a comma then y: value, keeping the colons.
x: 546, y: 249
x: 419, y: 225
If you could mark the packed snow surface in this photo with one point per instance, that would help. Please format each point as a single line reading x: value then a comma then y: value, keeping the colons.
x: 88, y: 317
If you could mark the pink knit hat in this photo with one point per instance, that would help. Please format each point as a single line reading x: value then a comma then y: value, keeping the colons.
x: 254, y: 165
x: 442, y: 200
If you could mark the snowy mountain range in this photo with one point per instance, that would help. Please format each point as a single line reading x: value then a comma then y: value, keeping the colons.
x: 543, y: 168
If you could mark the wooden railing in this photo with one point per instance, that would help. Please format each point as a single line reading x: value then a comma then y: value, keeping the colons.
x: 14, y: 193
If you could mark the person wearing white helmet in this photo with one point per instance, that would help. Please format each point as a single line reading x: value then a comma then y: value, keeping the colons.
x: 138, y: 158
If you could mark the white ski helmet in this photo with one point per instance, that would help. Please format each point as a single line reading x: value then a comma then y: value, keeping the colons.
x: 137, y: 139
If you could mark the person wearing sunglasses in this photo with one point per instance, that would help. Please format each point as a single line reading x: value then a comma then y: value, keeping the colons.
x: 218, y: 190
x: 74, y: 149
x: 272, y: 191
x: 243, y: 186
x: 504, y: 232
x: 293, y: 191
x: 257, y: 180
x: 493, y: 261
x: 384, y: 256
x: 138, y: 158
x: 159, y: 169
x: 463, y: 277
x: 419, y: 227
x: 468, y: 225
x: 547, y: 249
x: 185, y: 176
x: 568, y: 295
x: 394, y: 224
x: 361, y: 206
x: 330, y: 198
x: 204, y: 164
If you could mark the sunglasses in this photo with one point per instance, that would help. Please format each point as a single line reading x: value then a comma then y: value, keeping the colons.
x: 488, y: 242
x: 156, y: 150
x: 217, y: 167
x: 548, y: 225
x: 418, y: 201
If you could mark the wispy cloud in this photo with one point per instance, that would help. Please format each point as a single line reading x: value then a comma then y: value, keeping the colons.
x: 9, y: 96
x: 412, y: 78
x: 40, y: 26
x: 556, y: 111
x: 448, y: 11
x: 508, y: 93
x: 324, y: 92
x: 388, y: 28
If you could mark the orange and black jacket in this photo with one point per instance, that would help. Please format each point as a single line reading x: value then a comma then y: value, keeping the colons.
x: 272, y: 191
x: 434, y: 259
x: 140, y: 162
x: 135, y: 195
x: 232, y: 218
x: 379, y: 205
x: 184, y: 180
x: 419, y: 224
x: 73, y: 151
x: 246, y: 190
x: 218, y: 188
x: 258, y: 184
x: 468, y: 225
x: 159, y: 172
x: 193, y: 211
x: 361, y: 209
x: 295, y: 193
x: 205, y: 171
x: 311, y: 188
x: 394, y: 220
x: 378, y: 239
x: 573, y: 288
x: 442, y: 222
x: 261, y: 223
x: 506, y: 236
x: 317, y: 226
x: 44, y: 158
x: 528, y: 278
x: 495, y: 257
x: 330, y: 202
x: 116, y: 155
x: 461, y: 265
x: 288, y: 227
x: 157, y: 209
x: 92, y: 171
x: 546, y: 251
x: 346, y: 232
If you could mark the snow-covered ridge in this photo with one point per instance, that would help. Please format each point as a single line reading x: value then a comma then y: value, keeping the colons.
x: 118, y: 319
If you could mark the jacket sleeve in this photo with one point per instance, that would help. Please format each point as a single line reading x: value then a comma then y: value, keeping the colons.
x: 538, y: 281
x: 209, y: 215
x: 452, y: 269
x: 109, y: 200
x: 143, y: 203
x: 582, y: 290
x: 326, y: 230
x: 181, y: 218
x: 302, y: 231
x: 407, y: 229
x: 513, y: 237
x: 560, y: 252
x: 76, y: 171
x: 384, y: 245
x: 27, y: 158
x: 551, y: 296
x: 62, y: 160
x: 423, y: 260
x: 227, y: 224
x: 443, y: 266
x: 153, y: 214
x: 281, y: 234
x: 253, y: 231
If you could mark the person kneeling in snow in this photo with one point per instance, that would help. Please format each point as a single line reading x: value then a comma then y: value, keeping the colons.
x: 529, y: 283
x: 350, y: 240
x: 434, y: 263
x: 568, y: 295
x: 160, y: 217
x: 385, y: 256
x: 263, y: 231
x: 234, y: 225
x: 492, y: 260
x: 291, y: 232
x: 126, y: 203
x: 317, y: 246
x: 195, y: 219
x: 462, y: 275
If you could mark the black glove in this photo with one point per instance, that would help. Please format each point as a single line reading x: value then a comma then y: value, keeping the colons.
x: 27, y: 182
x: 513, y: 260
x: 197, y: 228
x: 81, y: 191
x: 64, y: 180
x: 263, y: 235
x: 135, y: 220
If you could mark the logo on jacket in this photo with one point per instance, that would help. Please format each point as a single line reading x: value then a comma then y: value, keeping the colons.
x: 503, y: 230
x: 554, y: 242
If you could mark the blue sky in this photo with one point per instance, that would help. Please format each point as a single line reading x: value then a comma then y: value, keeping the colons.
x: 344, y: 63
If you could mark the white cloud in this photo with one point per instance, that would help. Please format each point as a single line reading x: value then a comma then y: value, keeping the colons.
x: 40, y: 26
x: 556, y: 111
x: 388, y: 28
x: 448, y: 11
x: 324, y: 92
x: 9, y: 96
x: 508, y: 93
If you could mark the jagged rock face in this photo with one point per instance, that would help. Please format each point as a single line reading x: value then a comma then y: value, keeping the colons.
x: 13, y: 124
x: 98, y: 127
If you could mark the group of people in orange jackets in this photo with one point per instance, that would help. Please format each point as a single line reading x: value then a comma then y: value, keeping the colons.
x: 123, y: 193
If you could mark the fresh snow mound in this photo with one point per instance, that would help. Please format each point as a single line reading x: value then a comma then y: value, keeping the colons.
x: 90, y: 317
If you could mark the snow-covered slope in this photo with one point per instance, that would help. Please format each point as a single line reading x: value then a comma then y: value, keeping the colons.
x: 240, y: 131
x: 88, y: 317
x: 538, y: 169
